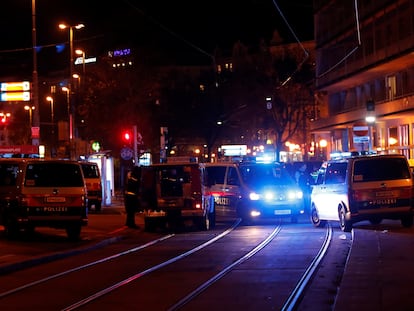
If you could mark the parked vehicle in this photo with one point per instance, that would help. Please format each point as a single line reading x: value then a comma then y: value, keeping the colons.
x: 93, y: 184
x: 369, y: 187
x: 174, y: 194
x: 42, y: 193
x: 251, y: 190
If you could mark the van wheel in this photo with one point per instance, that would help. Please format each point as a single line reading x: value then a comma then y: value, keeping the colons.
x: 407, y: 221
x: 315, y: 220
x: 73, y: 232
x: 346, y: 225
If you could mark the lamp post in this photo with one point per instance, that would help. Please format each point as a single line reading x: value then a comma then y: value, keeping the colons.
x: 70, y: 86
x: 67, y: 91
x: 30, y: 109
x: 82, y: 53
x: 52, y: 114
x: 35, y: 91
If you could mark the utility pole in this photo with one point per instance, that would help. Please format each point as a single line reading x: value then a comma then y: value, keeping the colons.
x: 35, y: 130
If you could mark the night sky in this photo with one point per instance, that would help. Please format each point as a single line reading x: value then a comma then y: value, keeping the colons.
x: 185, y: 29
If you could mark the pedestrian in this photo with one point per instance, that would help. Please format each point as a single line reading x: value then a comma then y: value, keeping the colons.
x: 302, y: 177
x: 131, y: 196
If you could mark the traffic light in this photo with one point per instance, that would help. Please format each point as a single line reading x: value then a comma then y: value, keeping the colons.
x: 127, y: 137
x: 370, y: 105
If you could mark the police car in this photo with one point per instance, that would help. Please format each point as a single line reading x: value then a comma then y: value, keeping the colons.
x: 252, y: 190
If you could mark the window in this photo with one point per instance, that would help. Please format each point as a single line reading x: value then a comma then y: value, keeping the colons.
x: 391, y: 84
x: 54, y: 175
x: 215, y: 175
x: 391, y: 169
x: 232, y: 177
x: 335, y: 173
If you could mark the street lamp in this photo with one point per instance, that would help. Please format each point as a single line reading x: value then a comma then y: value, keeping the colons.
x: 71, y: 104
x: 30, y: 109
x: 67, y: 91
x: 77, y: 77
x: 82, y: 53
x: 52, y: 115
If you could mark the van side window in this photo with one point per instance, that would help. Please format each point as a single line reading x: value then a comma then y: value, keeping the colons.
x: 335, y: 173
x: 215, y: 175
x: 232, y: 177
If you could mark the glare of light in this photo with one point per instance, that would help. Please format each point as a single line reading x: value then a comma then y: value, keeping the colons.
x: 269, y: 195
x: 293, y: 195
x: 64, y: 26
x: 254, y: 196
x: 323, y: 143
x: 392, y: 140
x: 255, y: 213
x: 370, y: 119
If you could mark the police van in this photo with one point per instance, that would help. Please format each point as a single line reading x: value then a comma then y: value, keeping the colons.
x: 93, y: 184
x: 252, y: 190
x: 42, y: 193
x: 351, y: 188
x: 175, y: 194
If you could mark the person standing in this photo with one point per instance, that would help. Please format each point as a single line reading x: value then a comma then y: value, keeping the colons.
x: 302, y: 179
x: 131, y: 200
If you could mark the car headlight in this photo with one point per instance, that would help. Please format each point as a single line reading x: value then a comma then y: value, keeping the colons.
x: 254, y: 196
x: 294, y: 194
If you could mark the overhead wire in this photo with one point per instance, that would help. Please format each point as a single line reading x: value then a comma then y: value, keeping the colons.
x: 306, y: 53
x: 174, y: 34
x: 353, y: 49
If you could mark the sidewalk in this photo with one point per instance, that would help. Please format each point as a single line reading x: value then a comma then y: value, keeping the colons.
x: 380, y: 272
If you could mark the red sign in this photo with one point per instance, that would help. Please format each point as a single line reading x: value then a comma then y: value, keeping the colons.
x: 35, y: 132
x: 20, y: 149
x: 360, y: 129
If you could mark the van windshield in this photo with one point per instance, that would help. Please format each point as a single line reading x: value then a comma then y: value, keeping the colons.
x: 381, y: 169
x: 90, y: 170
x: 54, y: 175
x: 265, y: 174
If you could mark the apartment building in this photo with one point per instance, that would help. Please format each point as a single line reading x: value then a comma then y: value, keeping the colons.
x: 364, y: 68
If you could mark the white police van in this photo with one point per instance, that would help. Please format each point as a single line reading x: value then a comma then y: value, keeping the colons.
x: 353, y: 188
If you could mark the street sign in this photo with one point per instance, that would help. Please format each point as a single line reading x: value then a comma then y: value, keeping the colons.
x: 360, y: 129
x: 127, y: 153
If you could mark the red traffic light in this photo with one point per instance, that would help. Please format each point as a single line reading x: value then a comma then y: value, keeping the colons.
x: 127, y: 137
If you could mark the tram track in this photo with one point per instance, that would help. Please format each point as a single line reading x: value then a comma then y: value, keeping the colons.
x: 207, y: 257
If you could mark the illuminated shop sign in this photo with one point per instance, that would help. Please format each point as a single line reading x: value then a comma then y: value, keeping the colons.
x: 119, y: 53
x: 15, y: 86
x: 15, y: 96
x: 79, y: 60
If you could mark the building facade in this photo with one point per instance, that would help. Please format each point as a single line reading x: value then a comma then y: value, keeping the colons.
x: 365, y: 68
